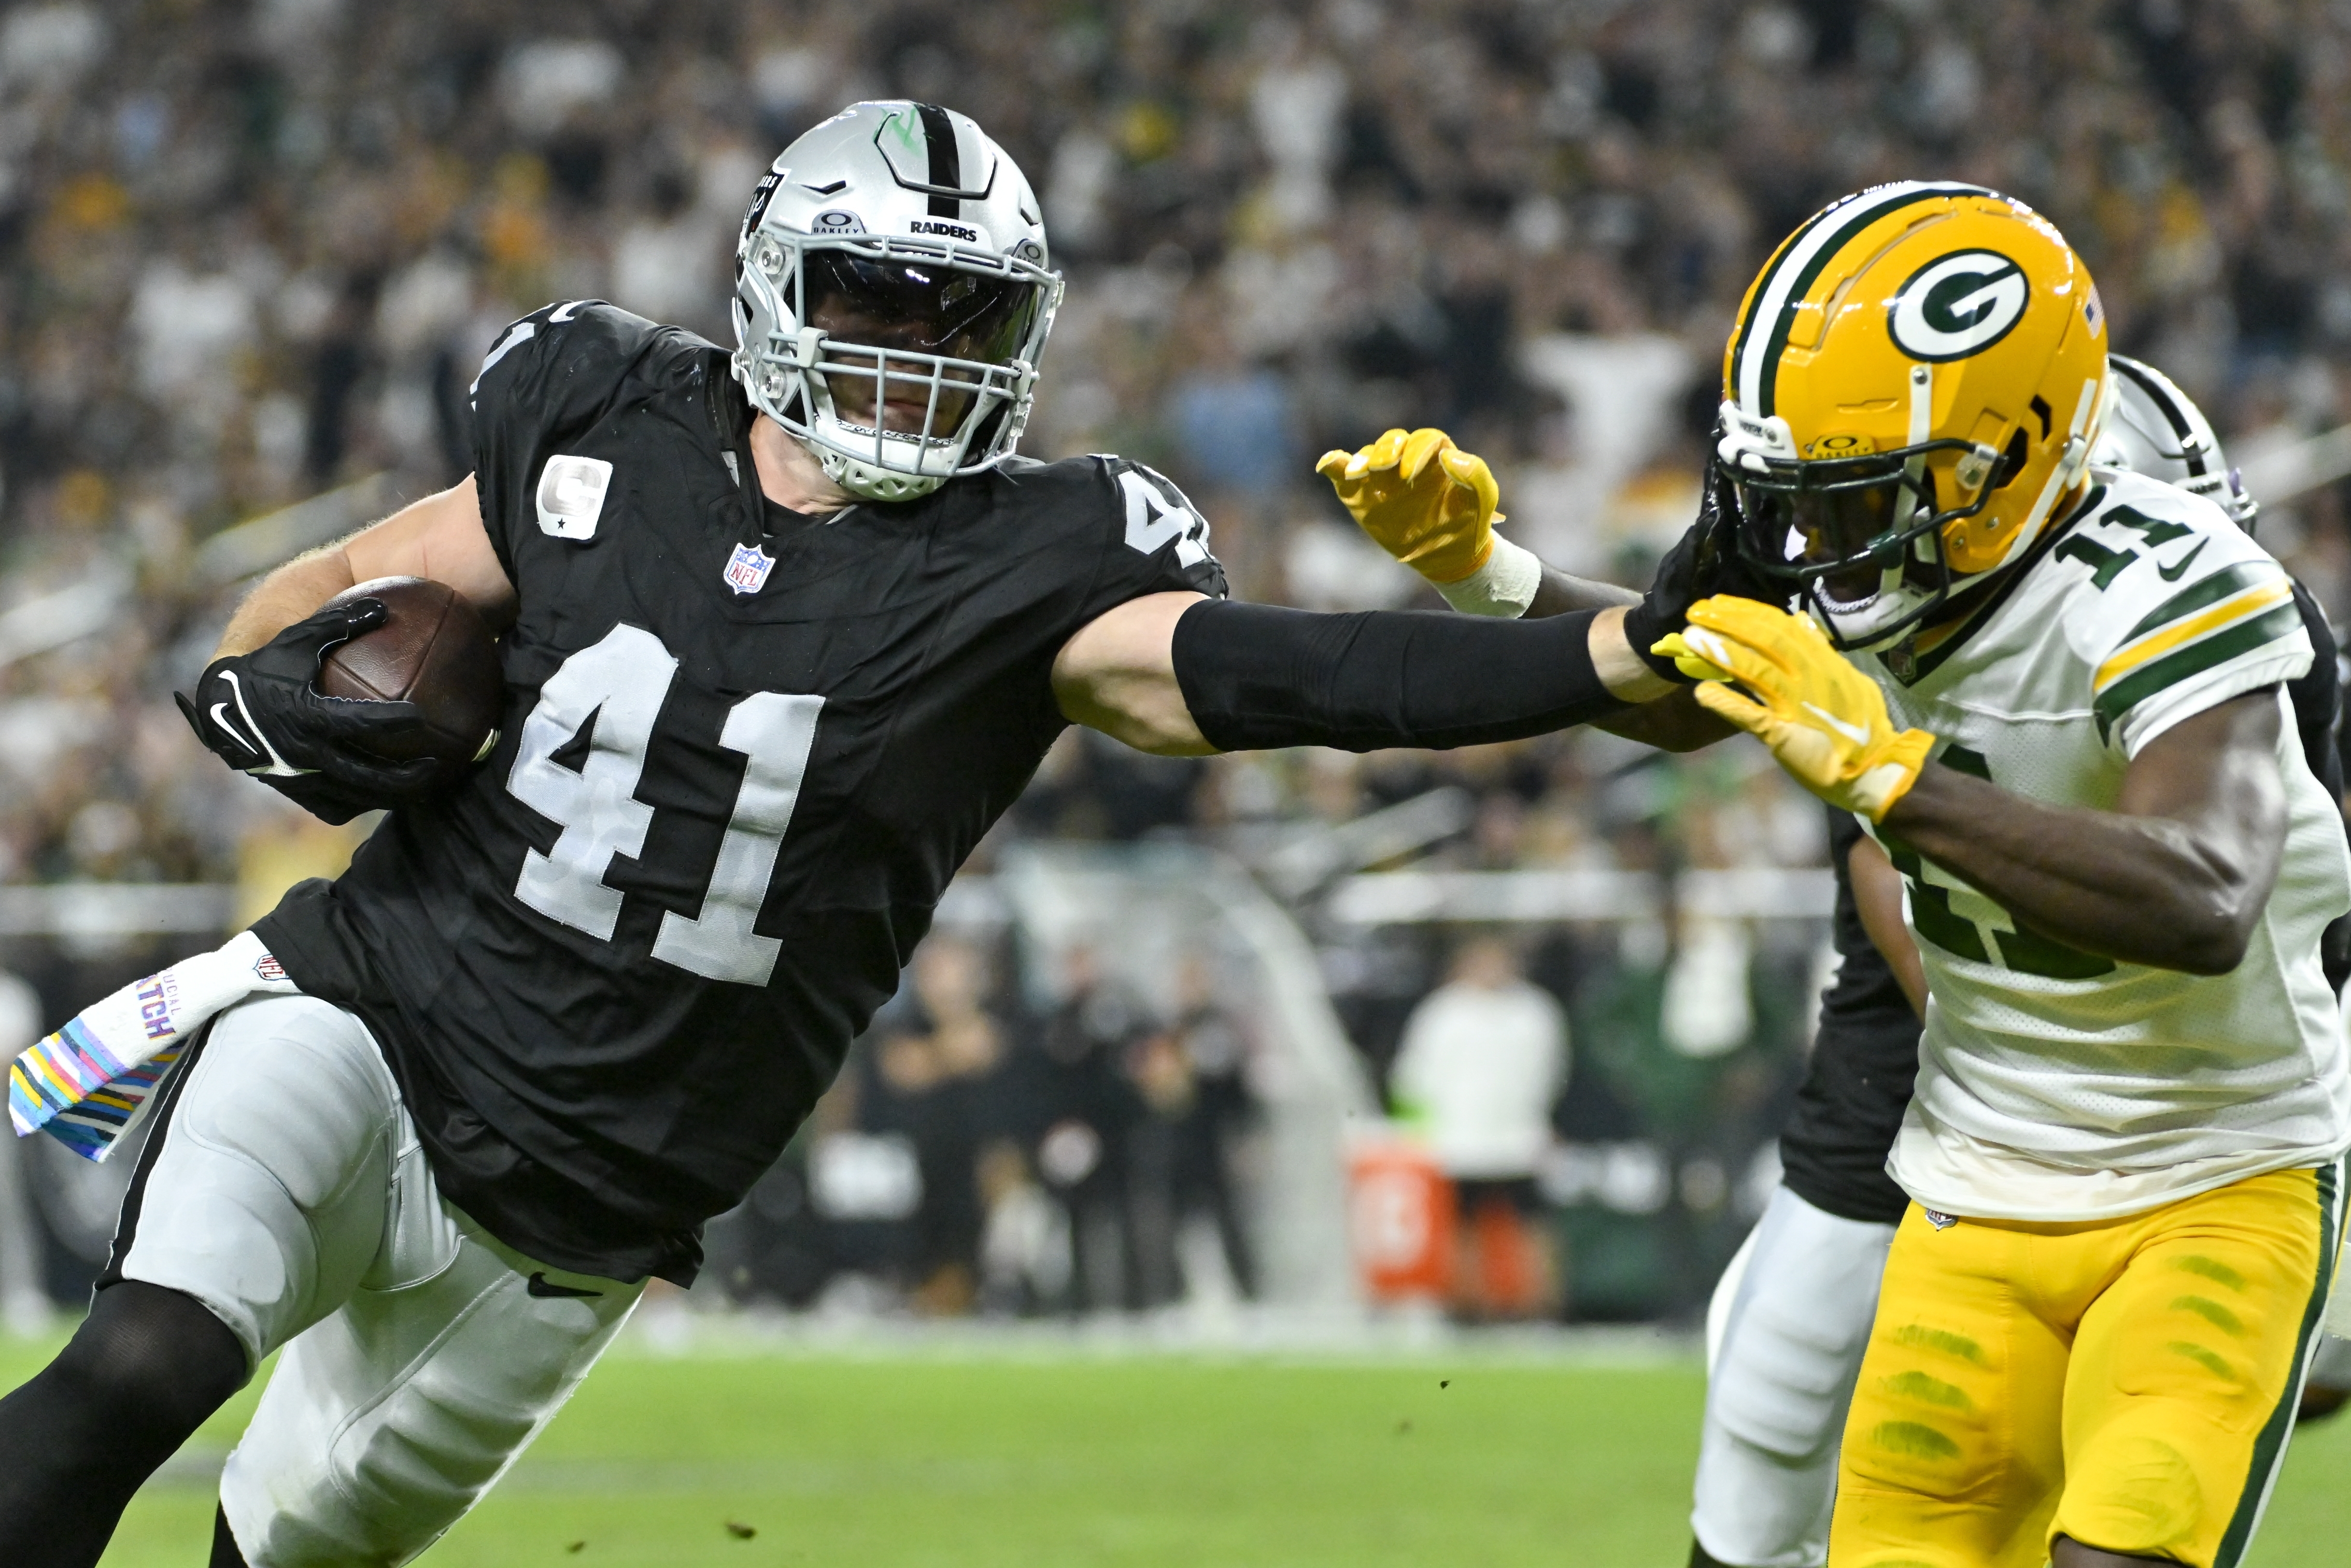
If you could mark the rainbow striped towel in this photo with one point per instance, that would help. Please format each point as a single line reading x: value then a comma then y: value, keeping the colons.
x: 93, y: 1081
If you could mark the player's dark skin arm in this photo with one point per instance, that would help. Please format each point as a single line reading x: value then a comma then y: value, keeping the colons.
x: 1877, y: 898
x: 1877, y: 895
x: 2175, y: 876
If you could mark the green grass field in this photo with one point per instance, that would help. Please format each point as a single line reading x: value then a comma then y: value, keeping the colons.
x: 977, y: 1460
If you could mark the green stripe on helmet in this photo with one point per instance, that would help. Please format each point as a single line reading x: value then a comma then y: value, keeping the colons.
x: 1764, y: 287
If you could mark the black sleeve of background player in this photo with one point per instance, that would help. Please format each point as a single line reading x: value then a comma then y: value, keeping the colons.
x: 1857, y: 1084
x: 2317, y: 698
x: 546, y: 380
x: 1258, y: 677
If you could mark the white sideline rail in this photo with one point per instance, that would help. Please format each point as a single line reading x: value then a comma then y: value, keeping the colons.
x: 261, y: 543
x: 117, y: 908
x: 91, y: 606
x: 2282, y: 474
x: 65, y: 616
x: 1372, y: 898
x: 1413, y: 897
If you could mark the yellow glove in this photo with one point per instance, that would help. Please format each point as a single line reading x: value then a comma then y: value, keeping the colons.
x: 1422, y: 499
x: 1824, y: 720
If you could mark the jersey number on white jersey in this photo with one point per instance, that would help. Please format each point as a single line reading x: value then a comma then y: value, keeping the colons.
x: 620, y: 683
x: 2106, y: 564
x: 2011, y: 947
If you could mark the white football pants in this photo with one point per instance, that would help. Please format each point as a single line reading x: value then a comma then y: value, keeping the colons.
x: 1785, y: 1333
x: 284, y: 1188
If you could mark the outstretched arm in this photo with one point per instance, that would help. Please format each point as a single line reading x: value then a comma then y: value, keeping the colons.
x: 1673, y: 722
x: 1433, y: 508
x: 1180, y: 674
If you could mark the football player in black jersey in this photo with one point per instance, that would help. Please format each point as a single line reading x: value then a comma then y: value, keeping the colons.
x: 1792, y: 1313
x: 784, y: 631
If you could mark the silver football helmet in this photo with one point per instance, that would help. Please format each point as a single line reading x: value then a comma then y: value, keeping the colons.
x: 892, y: 297
x: 2153, y: 428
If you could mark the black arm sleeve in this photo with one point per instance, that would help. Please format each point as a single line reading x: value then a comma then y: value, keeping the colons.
x: 2316, y: 696
x: 2317, y: 701
x: 1257, y: 676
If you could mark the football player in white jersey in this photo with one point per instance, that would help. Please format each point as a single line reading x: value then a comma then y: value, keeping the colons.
x: 2054, y: 694
x: 1791, y: 1315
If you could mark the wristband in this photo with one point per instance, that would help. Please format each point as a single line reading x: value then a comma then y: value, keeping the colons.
x: 1504, y: 587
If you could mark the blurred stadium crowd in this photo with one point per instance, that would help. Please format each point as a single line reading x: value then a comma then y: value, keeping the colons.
x: 251, y: 251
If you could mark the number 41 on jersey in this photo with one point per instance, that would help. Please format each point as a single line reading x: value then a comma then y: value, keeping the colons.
x: 620, y: 683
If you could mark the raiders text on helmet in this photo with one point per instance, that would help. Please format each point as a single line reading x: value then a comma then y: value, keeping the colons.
x: 1915, y: 382
x: 892, y: 297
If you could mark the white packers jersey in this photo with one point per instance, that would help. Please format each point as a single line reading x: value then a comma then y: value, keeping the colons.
x: 2054, y: 1084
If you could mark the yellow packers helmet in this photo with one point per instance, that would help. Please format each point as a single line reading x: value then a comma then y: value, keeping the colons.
x: 1916, y: 382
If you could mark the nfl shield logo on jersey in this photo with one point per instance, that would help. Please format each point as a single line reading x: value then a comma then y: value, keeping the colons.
x: 748, y: 568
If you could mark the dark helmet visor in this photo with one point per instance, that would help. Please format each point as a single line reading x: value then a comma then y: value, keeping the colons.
x: 1845, y: 523
x: 920, y: 307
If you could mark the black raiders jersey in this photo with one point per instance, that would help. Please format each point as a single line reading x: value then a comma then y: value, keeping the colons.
x: 613, y: 970
x: 1863, y: 1064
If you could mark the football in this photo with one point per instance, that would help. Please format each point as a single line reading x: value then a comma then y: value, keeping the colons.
x: 432, y: 650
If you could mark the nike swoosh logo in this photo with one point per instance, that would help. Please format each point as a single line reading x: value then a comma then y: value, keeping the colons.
x: 1857, y: 733
x: 541, y: 1286
x: 2172, y: 573
x: 278, y: 768
x: 220, y: 718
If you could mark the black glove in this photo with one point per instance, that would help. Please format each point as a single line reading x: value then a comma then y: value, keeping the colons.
x: 259, y: 713
x: 1703, y: 562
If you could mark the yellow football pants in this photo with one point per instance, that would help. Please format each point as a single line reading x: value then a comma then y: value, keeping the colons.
x: 2129, y: 1384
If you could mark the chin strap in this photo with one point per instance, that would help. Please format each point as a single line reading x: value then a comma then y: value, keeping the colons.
x: 862, y: 480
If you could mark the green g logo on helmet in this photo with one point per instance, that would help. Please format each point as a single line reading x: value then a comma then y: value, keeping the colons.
x: 1958, y: 305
